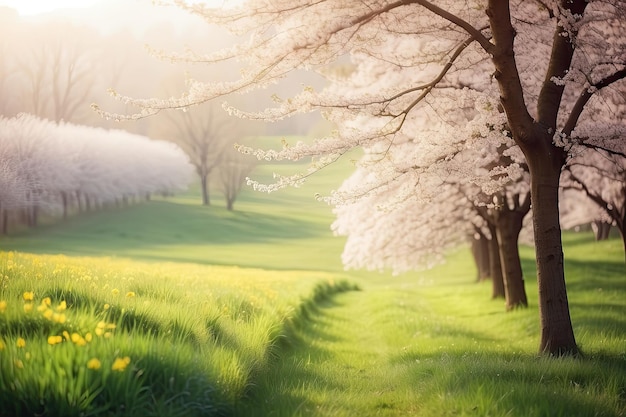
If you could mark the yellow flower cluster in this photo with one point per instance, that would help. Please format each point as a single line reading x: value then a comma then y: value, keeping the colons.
x: 104, y: 329
x: 56, y: 315
x: 120, y: 364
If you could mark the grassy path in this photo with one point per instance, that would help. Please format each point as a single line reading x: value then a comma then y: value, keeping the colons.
x: 437, y: 347
x: 341, y: 363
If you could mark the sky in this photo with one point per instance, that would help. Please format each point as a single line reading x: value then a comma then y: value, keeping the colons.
x: 32, y: 7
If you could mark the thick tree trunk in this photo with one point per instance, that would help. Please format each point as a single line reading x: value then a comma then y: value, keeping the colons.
x: 557, y: 334
x: 480, y: 253
x: 509, y: 225
x: 497, y: 286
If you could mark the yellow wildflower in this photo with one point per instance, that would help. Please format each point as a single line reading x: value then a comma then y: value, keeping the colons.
x: 94, y: 364
x: 53, y: 340
x: 58, y: 318
x: 42, y: 307
x: 130, y: 294
x: 66, y: 335
x: 3, y: 306
x: 115, y: 291
x: 46, y: 301
x: 108, y: 335
x: 88, y: 337
x: 18, y: 363
x: 78, y: 339
x: 120, y: 364
x: 48, y: 314
x: 21, y: 342
x: 107, y: 306
x: 28, y: 307
x: 62, y: 306
x: 28, y: 296
x: 99, y: 331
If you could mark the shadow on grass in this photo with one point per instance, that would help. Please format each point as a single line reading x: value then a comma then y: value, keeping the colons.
x: 157, y: 223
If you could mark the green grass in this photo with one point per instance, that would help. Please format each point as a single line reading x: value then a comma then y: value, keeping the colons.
x: 246, y: 314
x: 195, y: 336
x: 434, y: 344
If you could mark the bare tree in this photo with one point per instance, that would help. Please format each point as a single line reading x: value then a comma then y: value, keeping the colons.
x: 234, y: 170
x: 204, y: 135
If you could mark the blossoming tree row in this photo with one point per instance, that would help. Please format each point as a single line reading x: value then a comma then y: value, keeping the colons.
x: 56, y: 169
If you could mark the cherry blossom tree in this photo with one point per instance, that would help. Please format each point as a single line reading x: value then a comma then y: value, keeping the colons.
x: 601, y: 177
x: 46, y: 166
x: 552, y: 63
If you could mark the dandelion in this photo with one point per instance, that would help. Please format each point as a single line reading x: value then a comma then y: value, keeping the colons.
x: 21, y: 342
x: 120, y: 364
x: 53, y: 340
x: 66, y: 335
x: 130, y: 294
x: 18, y: 363
x: 115, y: 291
x: 28, y: 307
x: 88, y: 337
x: 78, y: 339
x: 58, y: 318
x: 3, y: 306
x: 107, y: 306
x: 94, y: 363
x: 62, y: 306
x: 42, y: 307
x: 48, y: 314
x: 28, y: 296
x: 46, y: 301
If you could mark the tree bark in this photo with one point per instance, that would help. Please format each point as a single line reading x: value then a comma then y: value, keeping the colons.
x: 495, y: 266
x: 557, y: 334
x: 509, y: 225
x: 480, y: 253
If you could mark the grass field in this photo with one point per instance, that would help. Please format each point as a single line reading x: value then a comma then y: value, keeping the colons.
x: 172, y: 309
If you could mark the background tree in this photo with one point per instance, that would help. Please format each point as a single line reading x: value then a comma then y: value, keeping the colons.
x: 205, y: 135
x: 234, y: 170
x: 547, y: 60
x: 601, y: 177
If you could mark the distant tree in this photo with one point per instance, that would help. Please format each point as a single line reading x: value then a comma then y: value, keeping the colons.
x: 59, y: 75
x: 601, y: 177
x: 234, y: 169
x: 47, y: 166
x: 552, y: 63
x: 205, y: 135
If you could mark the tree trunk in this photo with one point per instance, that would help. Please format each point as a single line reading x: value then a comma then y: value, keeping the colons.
x: 509, y: 225
x: 204, y: 183
x: 480, y: 253
x: 557, y: 334
x: 601, y: 230
x: 497, y: 286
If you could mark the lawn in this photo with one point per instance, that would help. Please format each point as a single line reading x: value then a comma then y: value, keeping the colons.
x: 169, y: 308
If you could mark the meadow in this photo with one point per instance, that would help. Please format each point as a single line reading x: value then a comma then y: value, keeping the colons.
x: 172, y: 309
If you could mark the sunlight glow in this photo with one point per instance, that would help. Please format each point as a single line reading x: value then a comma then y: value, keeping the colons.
x: 33, y: 7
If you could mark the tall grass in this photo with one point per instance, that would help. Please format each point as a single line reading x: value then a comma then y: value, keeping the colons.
x: 102, y: 336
